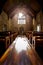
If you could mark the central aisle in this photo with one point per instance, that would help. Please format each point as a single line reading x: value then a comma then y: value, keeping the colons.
x: 22, y: 53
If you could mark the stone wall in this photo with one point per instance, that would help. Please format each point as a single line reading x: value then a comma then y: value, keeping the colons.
x: 8, y: 24
x: 27, y: 27
x: 39, y: 19
x: 5, y: 23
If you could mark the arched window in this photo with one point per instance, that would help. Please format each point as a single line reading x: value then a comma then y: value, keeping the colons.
x: 21, y: 18
x: 39, y: 28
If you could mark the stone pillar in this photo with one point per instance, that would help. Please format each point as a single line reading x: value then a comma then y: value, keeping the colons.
x: 34, y: 24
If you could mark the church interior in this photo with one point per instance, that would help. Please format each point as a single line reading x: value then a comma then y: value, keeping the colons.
x: 21, y: 22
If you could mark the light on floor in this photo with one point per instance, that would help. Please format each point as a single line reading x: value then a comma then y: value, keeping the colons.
x: 21, y: 43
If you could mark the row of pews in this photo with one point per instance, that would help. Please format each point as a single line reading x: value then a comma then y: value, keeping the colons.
x: 6, y: 38
x: 38, y: 43
x: 36, y: 40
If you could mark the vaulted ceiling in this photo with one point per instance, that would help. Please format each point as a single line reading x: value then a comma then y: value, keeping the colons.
x: 33, y: 6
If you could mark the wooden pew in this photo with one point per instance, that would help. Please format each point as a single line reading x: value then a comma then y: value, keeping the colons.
x: 38, y: 43
x: 39, y: 46
x: 4, y: 42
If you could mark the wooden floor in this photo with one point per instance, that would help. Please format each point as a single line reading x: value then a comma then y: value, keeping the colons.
x: 8, y: 57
